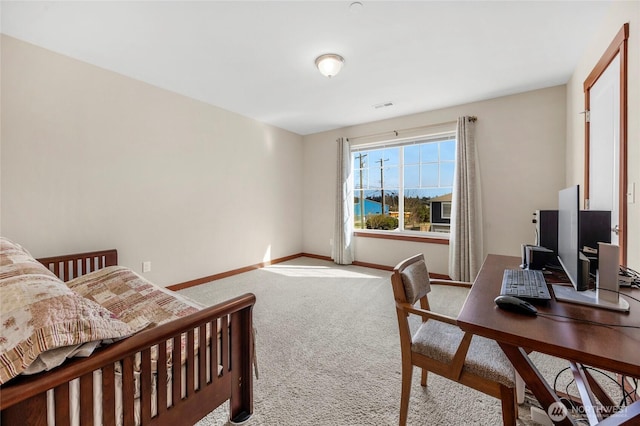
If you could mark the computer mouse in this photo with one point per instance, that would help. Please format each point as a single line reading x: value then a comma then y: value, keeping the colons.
x: 513, y: 304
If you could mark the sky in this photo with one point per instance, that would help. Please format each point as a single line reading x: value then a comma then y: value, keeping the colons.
x: 428, y: 169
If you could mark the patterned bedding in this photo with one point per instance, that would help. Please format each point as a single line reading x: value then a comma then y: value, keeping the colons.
x: 43, y: 320
x: 136, y: 301
x: 39, y: 313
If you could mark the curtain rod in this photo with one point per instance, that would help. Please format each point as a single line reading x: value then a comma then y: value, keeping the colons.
x: 396, y: 133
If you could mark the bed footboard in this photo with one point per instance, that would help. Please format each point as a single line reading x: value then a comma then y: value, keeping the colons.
x: 228, y: 375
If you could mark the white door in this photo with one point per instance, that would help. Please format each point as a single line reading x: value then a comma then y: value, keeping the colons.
x: 604, y: 144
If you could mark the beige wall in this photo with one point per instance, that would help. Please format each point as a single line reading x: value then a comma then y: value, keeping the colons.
x: 91, y: 159
x: 521, y: 143
x: 620, y: 12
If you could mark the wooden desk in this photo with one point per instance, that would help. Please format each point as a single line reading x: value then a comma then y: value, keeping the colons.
x: 613, y: 349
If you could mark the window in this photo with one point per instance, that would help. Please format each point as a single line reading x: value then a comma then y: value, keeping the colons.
x: 446, y: 210
x: 404, y: 186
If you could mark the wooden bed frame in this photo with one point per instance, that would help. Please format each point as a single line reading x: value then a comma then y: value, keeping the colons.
x: 24, y: 401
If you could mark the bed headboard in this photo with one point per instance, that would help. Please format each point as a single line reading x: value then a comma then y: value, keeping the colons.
x: 70, y: 266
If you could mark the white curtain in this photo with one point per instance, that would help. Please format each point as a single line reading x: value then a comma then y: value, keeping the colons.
x: 342, y: 249
x: 465, y: 245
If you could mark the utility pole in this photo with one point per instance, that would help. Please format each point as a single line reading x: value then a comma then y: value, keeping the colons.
x: 362, y: 221
x: 382, y: 180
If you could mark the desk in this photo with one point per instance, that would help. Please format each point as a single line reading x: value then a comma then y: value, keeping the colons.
x: 613, y: 349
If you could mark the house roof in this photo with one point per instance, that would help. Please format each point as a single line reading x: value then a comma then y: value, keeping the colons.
x: 445, y: 197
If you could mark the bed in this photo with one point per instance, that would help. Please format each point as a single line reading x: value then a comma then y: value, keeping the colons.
x: 121, y: 382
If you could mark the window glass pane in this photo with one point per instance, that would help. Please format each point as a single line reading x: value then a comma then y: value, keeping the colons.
x: 391, y: 177
x: 446, y: 174
x: 448, y: 150
x: 438, y: 192
x: 412, y: 176
x: 373, y: 157
x: 429, y: 175
x: 411, y: 154
x: 429, y: 152
x: 392, y: 156
x: 360, y: 179
x: 359, y: 160
x: 416, y: 211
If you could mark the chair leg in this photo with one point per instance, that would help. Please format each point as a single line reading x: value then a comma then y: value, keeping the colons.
x: 407, y: 374
x: 423, y: 378
x: 509, y: 405
x: 520, y: 388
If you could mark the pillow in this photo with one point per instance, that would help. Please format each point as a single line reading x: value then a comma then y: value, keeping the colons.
x: 38, y: 313
x: 136, y: 301
x: 14, y: 256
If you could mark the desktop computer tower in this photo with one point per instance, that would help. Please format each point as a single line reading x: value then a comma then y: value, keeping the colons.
x: 547, y: 229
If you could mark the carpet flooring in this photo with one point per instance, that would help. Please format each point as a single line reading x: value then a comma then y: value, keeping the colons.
x: 328, y: 351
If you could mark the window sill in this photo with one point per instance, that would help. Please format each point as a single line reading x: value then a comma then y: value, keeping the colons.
x: 402, y: 237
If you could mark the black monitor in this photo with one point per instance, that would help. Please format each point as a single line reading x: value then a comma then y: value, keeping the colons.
x: 569, y: 253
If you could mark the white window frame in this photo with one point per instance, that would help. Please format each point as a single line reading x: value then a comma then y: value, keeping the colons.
x: 430, y: 137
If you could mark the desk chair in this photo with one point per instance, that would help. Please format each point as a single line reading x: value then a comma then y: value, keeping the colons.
x: 441, y: 347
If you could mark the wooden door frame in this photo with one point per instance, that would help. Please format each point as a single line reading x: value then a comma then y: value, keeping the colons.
x: 617, y: 47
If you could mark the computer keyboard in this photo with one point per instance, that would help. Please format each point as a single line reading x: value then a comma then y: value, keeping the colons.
x: 526, y: 284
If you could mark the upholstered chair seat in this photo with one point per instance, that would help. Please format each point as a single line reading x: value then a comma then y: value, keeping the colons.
x: 440, y: 341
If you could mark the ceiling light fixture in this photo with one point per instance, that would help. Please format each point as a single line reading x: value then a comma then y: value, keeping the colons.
x: 329, y: 64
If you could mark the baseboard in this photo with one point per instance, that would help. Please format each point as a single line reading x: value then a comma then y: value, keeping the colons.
x: 209, y: 278
x: 221, y: 275
x: 355, y: 262
x: 374, y: 266
x: 316, y: 256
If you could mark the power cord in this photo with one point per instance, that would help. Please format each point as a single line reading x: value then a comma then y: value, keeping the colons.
x: 544, y: 314
x: 626, y: 395
x: 630, y: 273
x: 620, y: 293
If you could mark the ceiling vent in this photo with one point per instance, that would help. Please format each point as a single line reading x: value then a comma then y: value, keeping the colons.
x: 383, y: 105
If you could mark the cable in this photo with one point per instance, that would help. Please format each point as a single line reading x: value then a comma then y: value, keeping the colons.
x: 544, y: 314
x: 555, y: 381
x: 624, y: 392
x: 630, y: 273
x: 620, y: 293
x: 634, y: 390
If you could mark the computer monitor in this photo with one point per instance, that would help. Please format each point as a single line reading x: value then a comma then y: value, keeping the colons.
x: 569, y: 254
x: 574, y: 263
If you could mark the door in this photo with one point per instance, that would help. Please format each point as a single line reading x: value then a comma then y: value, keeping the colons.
x: 604, y: 145
x: 605, y: 179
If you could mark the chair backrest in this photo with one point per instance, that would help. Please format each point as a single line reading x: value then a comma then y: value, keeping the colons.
x: 411, y: 278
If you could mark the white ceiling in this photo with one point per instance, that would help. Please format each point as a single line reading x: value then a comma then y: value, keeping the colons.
x: 256, y: 58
